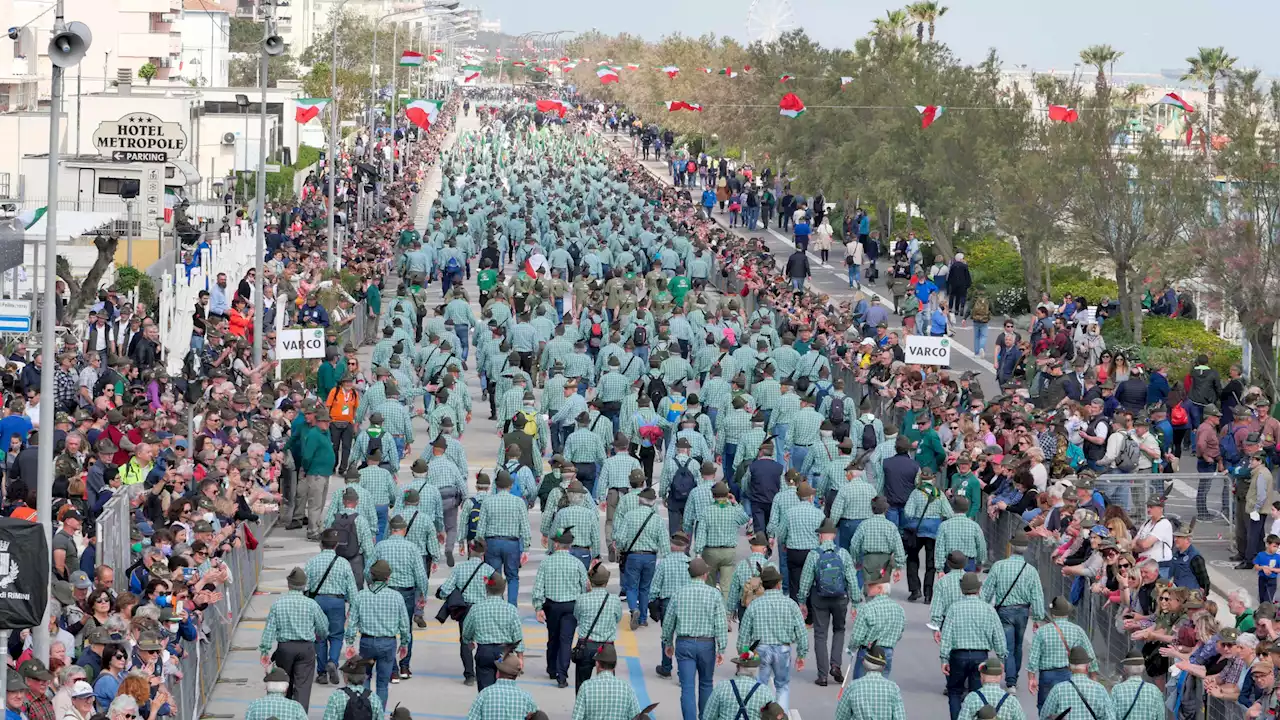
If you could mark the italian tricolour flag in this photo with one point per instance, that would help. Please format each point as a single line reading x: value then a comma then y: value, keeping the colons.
x: 552, y: 106
x: 790, y: 106
x: 535, y: 262
x: 470, y: 73
x: 308, y: 108
x: 671, y: 70
x: 423, y: 113
x: 607, y: 75
x: 929, y: 113
x: 674, y: 105
x: 410, y: 58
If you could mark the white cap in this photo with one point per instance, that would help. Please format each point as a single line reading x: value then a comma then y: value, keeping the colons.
x: 867, y: 341
x: 81, y: 689
x: 959, y: 256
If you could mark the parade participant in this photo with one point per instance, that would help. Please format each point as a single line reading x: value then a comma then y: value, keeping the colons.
x: 331, y: 583
x: 381, y: 620
x: 424, y: 530
x: 492, y: 629
x: 316, y: 464
x: 946, y: 591
x: 962, y: 533
x: 1047, y: 659
x: 274, y: 704
x: 1079, y: 697
x: 798, y: 533
x: 504, y: 699
x: 643, y: 538
x: 606, y: 696
x: 615, y: 475
x: 678, y: 481
x: 879, y: 621
x: 923, y: 514
x: 775, y: 627
x: 468, y: 579
x: 584, y: 449
x: 504, y: 525
x: 408, y: 577
x: 582, y: 514
x: 741, y: 587
x: 852, y: 502
x: 671, y: 575
x: 1133, y: 698
x: 742, y: 695
x: 354, y: 692
x: 972, y: 631
x: 1013, y: 587
x: 992, y: 694
x: 700, y: 499
x: 695, y: 633
x: 560, y: 580
x: 877, y: 545
x: 596, y: 613
x: 294, y: 623
x: 364, y: 503
x: 381, y: 488
x: 716, y: 539
x: 873, y: 696
x: 828, y: 587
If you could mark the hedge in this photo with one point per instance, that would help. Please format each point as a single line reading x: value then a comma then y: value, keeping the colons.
x: 1173, y: 342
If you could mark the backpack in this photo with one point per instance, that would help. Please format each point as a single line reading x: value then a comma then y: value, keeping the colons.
x: 473, y: 518
x: 549, y: 481
x: 1178, y: 416
x: 375, y: 443
x: 837, y: 413
x: 691, y: 167
x: 869, y: 437
x: 981, y: 310
x: 452, y: 265
x: 648, y: 430
x: 1130, y: 454
x: 656, y: 390
x: 682, y: 483
x: 752, y: 588
x: 676, y: 409
x: 640, y: 336
x: 530, y: 424
x: 822, y: 392
x: 358, y: 705
x: 597, y: 332
x: 348, y: 541
x: 829, y: 580
x: 1230, y: 451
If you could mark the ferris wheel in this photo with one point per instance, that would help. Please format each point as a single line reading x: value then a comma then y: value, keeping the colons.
x: 768, y: 19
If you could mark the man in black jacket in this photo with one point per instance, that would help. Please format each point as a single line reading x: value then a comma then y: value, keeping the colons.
x: 900, y: 473
x: 959, y: 280
x: 798, y: 270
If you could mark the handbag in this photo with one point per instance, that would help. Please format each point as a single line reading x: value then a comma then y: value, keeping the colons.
x: 579, y: 654
x: 911, y: 536
x: 455, y: 607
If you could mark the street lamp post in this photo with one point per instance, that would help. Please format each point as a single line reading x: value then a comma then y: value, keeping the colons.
x: 333, y: 137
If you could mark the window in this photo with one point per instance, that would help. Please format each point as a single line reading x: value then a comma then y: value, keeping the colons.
x: 109, y: 186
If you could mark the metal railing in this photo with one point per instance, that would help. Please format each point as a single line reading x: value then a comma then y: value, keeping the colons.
x: 113, y: 539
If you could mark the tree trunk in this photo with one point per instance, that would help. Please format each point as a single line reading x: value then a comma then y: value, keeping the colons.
x: 1263, y: 373
x: 85, y: 291
x: 1122, y: 283
x: 1031, y: 268
x: 884, y: 214
x: 931, y: 29
x: 940, y: 230
x: 1135, y: 311
x: 920, y: 33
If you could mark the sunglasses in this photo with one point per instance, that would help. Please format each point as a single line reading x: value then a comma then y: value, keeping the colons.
x: 1125, y: 567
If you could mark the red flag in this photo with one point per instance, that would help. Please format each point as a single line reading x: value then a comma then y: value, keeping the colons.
x: 552, y: 106
x: 1062, y: 113
x: 929, y: 113
x: 1190, y: 131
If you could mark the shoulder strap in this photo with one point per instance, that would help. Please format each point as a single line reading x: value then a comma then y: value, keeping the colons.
x: 1012, y: 585
x: 1001, y: 703
x: 640, y: 532
x: 412, y: 520
x: 324, y: 577
x: 742, y: 701
x: 597, y: 618
x: 925, y: 511
x: 1087, y: 706
x: 1061, y: 636
x: 467, y: 584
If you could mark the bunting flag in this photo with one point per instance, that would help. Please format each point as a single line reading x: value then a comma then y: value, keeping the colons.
x: 540, y: 69
x: 707, y: 70
x: 423, y: 113
x: 1062, y: 113
x: 671, y: 70
x: 607, y: 75
x: 929, y: 113
x: 844, y: 80
x: 552, y: 106
x: 470, y: 73
x: 433, y: 58
x: 1190, y: 132
x: 790, y: 106
x: 29, y: 218
x: 1175, y: 100
x: 518, y: 63
x: 568, y: 66
x: 632, y: 66
x: 603, y: 63
x: 410, y: 58
x: 746, y: 68
x: 308, y: 108
x: 784, y: 78
x: 674, y: 105
x: 534, y: 263
x: 437, y: 51
x: 729, y: 72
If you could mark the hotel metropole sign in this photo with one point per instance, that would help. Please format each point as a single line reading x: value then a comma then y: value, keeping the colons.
x: 140, y: 137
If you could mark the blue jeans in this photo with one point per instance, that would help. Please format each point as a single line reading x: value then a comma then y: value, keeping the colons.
x: 1013, y: 618
x: 862, y: 652
x: 642, y: 357
x: 797, y: 284
x: 381, y: 511
x: 894, y: 515
x: 798, y: 454
x: 464, y: 339
x: 845, y: 529
x: 410, y: 596
x: 696, y: 665
x: 713, y: 413
x: 582, y: 554
x: 329, y: 650
x: 779, y: 429
x: 964, y: 677
x: 979, y: 338
x: 383, y: 652
x: 1203, y: 487
x: 1049, y: 678
x: 504, y: 554
x: 855, y: 275
x: 775, y: 664
x: 637, y: 577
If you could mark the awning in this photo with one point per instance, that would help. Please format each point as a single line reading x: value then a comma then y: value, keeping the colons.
x: 185, y: 174
x: 74, y: 223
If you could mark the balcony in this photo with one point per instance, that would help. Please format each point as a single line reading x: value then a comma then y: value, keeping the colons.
x: 162, y: 26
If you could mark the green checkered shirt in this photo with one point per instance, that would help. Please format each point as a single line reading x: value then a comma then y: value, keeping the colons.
x: 853, y: 500
x: 585, y: 521
x: 922, y: 504
x: 364, y: 506
x: 380, y: 484
x: 991, y: 694
x: 364, y: 531
x: 871, y: 697
x: 461, y: 574
x: 716, y: 393
x: 808, y: 575
x: 718, y: 526
x: 745, y: 569
x: 503, y: 700
x: 421, y: 532
x: 877, y: 535
x: 804, y: 428
x: 959, y: 533
x: 553, y: 507
x: 999, y: 589
x: 583, y: 446
x: 674, y: 369
x: 336, y: 706
x: 1049, y: 648
x: 616, y: 473
x: 946, y: 590
x: 378, y: 613
x: 628, y: 501
x: 605, y: 697
x: 504, y: 515
x: 697, y: 610
x: 879, y: 620
x: 1073, y: 694
x: 733, y: 424
x: 493, y: 621
x: 671, y: 574
x: 699, y: 499
x: 405, y: 560
x: 429, y: 501
x: 782, y: 504
x: 774, y: 619
x: 1149, y: 704
x: 613, y: 387
x: 655, y: 537
x: 277, y: 706
x: 580, y: 366
x: 723, y: 704
x: 585, y: 608
x: 784, y: 410
x: 800, y: 529
x: 396, y: 420
x: 561, y: 578
x: 766, y: 393
x: 749, y: 448
x: 340, y: 581
x: 972, y: 624
x: 293, y: 617
x: 443, y: 473
x: 374, y: 396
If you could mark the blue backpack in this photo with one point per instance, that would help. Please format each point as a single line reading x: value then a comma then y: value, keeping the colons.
x: 452, y: 265
x: 473, y: 518
x: 1230, y: 451
x: 830, y: 581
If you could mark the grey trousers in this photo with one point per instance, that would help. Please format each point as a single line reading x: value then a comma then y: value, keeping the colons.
x: 310, y: 501
x: 611, y: 509
x: 298, y: 658
x: 451, y: 504
x: 828, y: 614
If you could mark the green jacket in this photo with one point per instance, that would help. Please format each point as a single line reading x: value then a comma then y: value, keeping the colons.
x: 317, y: 453
x: 326, y: 380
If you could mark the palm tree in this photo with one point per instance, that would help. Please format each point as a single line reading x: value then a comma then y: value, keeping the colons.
x: 925, y: 13
x: 1208, y: 67
x: 1133, y: 92
x: 895, y: 23
x: 1101, y: 57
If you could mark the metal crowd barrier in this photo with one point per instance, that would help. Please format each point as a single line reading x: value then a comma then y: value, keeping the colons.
x: 113, y: 538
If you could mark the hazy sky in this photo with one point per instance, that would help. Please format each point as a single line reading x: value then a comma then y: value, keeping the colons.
x: 1044, y: 34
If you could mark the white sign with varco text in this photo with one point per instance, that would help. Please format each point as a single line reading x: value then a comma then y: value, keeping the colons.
x: 925, y: 350
x: 300, y: 344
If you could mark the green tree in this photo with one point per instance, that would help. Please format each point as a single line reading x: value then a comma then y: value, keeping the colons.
x: 245, y: 35
x: 1101, y: 57
x: 925, y: 13
x: 147, y: 72
x: 1209, y: 66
